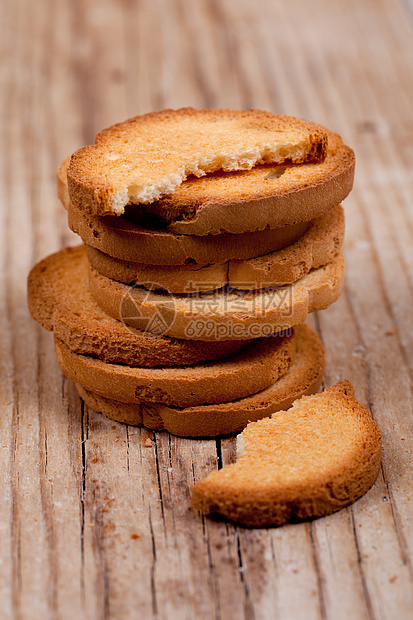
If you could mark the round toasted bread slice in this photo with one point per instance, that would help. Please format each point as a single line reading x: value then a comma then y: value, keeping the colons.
x: 319, y: 245
x: 303, y: 377
x: 251, y: 370
x: 298, y: 195
x: 309, y: 461
x: 222, y: 314
x: 60, y: 300
x: 123, y: 239
x: 266, y: 196
x: 147, y: 157
x: 172, y: 278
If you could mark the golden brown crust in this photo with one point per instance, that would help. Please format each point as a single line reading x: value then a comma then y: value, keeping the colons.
x: 60, y: 300
x: 120, y: 238
x: 318, y: 246
x: 128, y: 163
x: 256, y: 366
x: 309, y: 461
x: 304, y: 377
x: 222, y: 314
x: 247, y: 200
x: 175, y: 279
x: 266, y: 196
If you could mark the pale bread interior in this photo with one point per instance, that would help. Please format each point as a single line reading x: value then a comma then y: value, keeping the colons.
x: 317, y: 457
x: 315, y: 434
x: 148, y: 157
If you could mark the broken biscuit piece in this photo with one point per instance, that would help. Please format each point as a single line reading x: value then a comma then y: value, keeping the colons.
x: 309, y: 461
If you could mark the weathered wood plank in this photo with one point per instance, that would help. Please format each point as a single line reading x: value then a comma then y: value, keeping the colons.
x: 95, y: 518
x: 30, y: 570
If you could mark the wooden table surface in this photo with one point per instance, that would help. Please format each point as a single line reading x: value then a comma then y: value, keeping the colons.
x: 95, y: 520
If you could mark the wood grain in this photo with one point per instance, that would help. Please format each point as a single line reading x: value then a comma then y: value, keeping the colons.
x: 95, y: 520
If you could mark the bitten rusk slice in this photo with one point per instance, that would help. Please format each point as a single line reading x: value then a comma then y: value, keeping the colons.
x: 222, y: 314
x: 266, y: 196
x: 319, y: 245
x: 251, y: 370
x: 303, y: 377
x: 60, y: 300
x: 147, y: 157
x: 274, y: 197
x: 309, y: 461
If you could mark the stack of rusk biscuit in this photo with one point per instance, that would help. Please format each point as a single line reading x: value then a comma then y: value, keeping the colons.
x: 208, y: 237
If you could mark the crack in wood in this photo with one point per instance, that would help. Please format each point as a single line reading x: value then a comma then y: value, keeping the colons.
x: 248, y: 604
x: 401, y: 539
x: 153, y: 568
x: 96, y: 500
x: 141, y: 431
x: 277, y: 574
x: 219, y: 453
x: 213, y: 582
x: 46, y: 497
x: 317, y: 567
x: 127, y: 448
x: 16, y: 580
x: 83, y: 467
x: 360, y: 568
x: 158, y: 474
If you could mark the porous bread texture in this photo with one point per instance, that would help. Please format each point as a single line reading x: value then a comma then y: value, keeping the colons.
x: 120, y: 238
x: 303, y: 377
x: 318, y: 246
x: 223, y: 314
x: 60, y: 300
x: 266, y: 196
x: 309, y: 461
x: 253, y: 368
x: 149, y: 156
